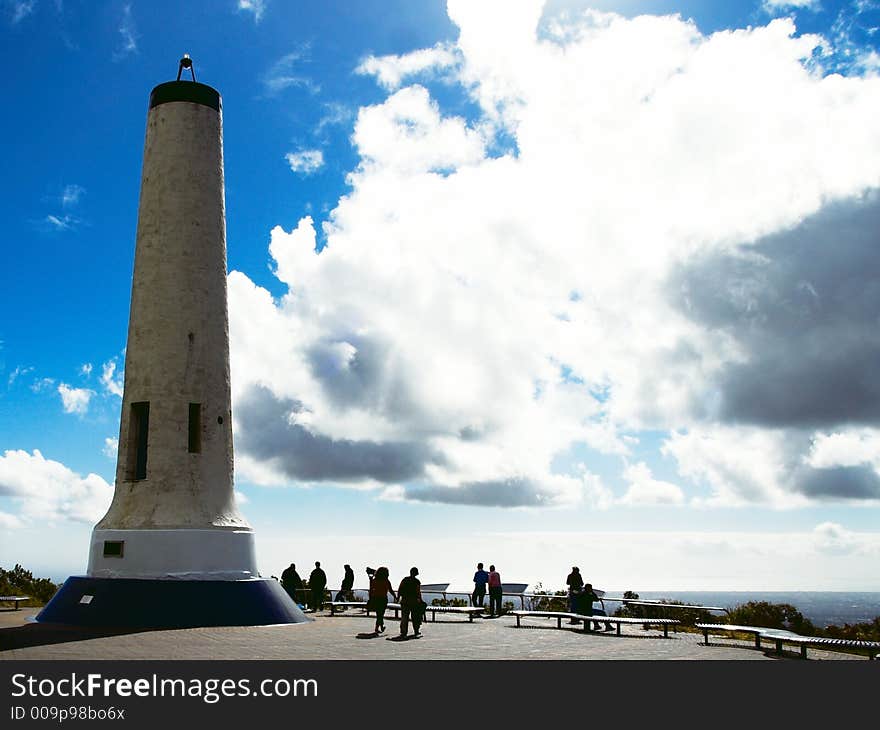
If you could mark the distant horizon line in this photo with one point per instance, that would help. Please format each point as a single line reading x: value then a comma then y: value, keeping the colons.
x: 467, y: 588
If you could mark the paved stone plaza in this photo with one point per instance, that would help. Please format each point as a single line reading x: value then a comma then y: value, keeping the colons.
x: 347, y: 636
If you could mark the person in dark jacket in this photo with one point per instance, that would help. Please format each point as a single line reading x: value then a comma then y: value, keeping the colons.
x: 481, y: 578
x: 585, y: 608
x: 345, y: 593
x: 410, y: 595
x: 317, y: 584
x: 575, y: 585
x: 292, y: 583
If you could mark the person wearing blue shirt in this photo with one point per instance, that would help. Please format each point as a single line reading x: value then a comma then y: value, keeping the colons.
x: 481, y: 578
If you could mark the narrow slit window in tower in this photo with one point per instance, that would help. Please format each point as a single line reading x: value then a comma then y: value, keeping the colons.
x: 195, y: 428
x: 138, y: 431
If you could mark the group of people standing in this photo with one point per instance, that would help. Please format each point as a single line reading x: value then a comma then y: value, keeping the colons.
x: 492, y: 580
x: 313, y: 596
x: 409, y: 594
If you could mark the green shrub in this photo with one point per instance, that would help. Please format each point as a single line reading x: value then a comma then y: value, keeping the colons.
x: 866, y: 631
x: 21, y: 582
x: 668, y: 609
x: 546, y: 601
x: 771, y: 615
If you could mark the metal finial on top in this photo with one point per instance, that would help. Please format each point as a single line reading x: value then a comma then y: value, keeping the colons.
x: 186, y: 62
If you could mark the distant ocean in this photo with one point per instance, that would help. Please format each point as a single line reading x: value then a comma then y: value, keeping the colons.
x: 823, y: 608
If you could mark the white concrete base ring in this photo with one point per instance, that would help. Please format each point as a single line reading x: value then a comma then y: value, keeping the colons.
x: 185, y: 554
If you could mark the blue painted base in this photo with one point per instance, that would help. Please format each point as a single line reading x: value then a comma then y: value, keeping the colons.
x: 170, y: 604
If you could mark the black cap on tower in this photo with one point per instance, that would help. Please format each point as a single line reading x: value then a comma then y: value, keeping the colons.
x: 191, y: 91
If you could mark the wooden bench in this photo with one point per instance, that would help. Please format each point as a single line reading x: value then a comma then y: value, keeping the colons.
x: 15, y: 600
x: 471, y: 611
x: 663, y: 623
x: 342, y: 605
x: 872, y: 647
x: 780, y: 637
x: 755, y: 631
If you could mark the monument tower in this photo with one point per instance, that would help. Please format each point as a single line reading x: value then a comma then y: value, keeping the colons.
x: 173, y: 549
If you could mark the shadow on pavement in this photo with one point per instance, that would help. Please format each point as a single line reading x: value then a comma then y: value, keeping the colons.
x: 21, y: 637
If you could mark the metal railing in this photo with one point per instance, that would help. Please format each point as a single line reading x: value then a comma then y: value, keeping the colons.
x: 306, y: 594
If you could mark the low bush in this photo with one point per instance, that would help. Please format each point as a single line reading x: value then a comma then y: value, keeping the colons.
x: 666, y: 609
x: 772, y: 616
x: 546, y: 601
x: 21, y: 582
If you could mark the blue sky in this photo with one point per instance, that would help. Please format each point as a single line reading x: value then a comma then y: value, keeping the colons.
x: 598, y: 284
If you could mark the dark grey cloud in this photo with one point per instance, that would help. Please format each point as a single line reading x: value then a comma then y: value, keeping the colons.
x: 369, y: 379
x: 266, y: 434
x: 515, y: 492
x: 804, y: 305
x: 842, y: 482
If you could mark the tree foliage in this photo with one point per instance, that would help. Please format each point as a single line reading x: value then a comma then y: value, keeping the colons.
x: 772, y: 616
x: 753, y: 613
x: 866, y: 631
x: 21, y: 582
x: 665, y: 609
x: 547, y: 601
x: 786, y: 616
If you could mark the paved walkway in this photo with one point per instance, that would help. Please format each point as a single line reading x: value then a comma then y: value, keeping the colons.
x: 346, y: 637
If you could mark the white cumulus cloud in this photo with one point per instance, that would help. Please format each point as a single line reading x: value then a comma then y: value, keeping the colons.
x: 774, y: 5
x: 644, y: 489
x: 832, y: 538
x: 111, y: 447
x: 75, y: 400
x: 475, y: 312
x: 850, y: 447
x: 112, y: 381
x: 390, y: 70
x: 47, y: 491
x: 305, y: 161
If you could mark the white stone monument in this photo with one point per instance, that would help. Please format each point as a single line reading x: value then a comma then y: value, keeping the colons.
x: 173, y: 549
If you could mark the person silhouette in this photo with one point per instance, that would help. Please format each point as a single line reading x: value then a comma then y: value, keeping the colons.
x: 410, y: 592
x: 481, y: 578
x: 494, y: 592
x: 292, y: 583
x: 345, y: 593
x: 575, y: 583
x: 380, y: 587
x: 586, y: 603
x: 317, y: 584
